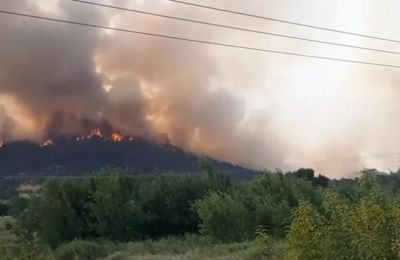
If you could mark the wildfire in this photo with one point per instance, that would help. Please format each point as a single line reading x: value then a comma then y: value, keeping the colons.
x: 94, y: 132
x: 116, y: 137
x: 47, y: 143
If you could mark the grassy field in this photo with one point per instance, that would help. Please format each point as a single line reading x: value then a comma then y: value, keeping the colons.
x: 187, y: 248
x: 172, y: 248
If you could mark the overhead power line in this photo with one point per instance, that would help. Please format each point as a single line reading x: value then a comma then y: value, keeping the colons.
x: 199, y: 41
x: 236, y: 28
x: 286, y: 21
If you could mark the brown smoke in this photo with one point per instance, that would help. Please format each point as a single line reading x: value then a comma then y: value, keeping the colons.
x: 156, y: 86
x: 236, y: 106
x: 48, y: 68
x: 6, y: 124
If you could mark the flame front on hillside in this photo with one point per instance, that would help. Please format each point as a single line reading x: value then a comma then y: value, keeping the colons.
x: 116, y: 137
x: 95, y: 132
x: 47, y: 143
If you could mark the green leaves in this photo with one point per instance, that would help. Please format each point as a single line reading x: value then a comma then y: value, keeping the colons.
x: 223, y: 218
x: 113, y: 205
x: 367, y: 229
x: 306, y: 234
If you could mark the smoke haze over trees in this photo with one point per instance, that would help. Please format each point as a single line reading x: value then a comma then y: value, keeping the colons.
x: 260, y: 111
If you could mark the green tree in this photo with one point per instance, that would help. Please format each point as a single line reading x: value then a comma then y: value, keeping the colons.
x: 306, y: 236
x: 223, y: 218
x: 338, y: 226
x: 367, y: 229
x: 115, y: 212
x: 167, y: 201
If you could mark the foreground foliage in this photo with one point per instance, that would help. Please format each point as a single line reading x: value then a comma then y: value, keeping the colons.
x: 340, y: 229
x: 112, y: 205
x: 162, y: 216
x: 189, y: 247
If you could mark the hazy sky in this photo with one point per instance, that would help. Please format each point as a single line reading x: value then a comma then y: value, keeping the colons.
x: 257, y: 109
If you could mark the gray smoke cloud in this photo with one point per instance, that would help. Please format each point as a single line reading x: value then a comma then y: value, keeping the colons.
x: 48, y: 68
x: 181, y: 99
x: 261, y: 111
x: 6, y: 124
x: 59, y: 75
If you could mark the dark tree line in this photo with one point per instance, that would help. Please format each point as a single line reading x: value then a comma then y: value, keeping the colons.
x: 112, y: 205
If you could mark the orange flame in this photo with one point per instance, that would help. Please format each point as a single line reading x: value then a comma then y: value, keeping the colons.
x: 116, y: 137
x: 94, y: 132
x: 47, y: 143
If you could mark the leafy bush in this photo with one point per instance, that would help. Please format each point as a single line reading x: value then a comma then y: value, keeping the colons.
x: 368, y: 229
x: 4, y: 209
x: 341, y: 219
x: 112, y: 205
x: 306, y: 235
x: 263, y: 241
x: 272, y: 197
x: 82, y: 250
x: 223, y: 218
x: 28, y: 250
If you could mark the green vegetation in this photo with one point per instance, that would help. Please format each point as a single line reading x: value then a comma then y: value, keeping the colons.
x: 117, y: 215
x: 340, y: 229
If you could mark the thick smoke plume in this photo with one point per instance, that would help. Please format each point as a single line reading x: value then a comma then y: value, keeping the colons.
x: 6, y: 124
x: 69, y: 79
x: 259, y: 111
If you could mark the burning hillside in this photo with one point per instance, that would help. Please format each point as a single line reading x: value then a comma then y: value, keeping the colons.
x: 94, y: 133
x: 67, y: 81
x: 78, y: 155
x: 47, y: 143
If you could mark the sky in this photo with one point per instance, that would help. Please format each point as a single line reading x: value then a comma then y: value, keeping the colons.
x: 260, y: 110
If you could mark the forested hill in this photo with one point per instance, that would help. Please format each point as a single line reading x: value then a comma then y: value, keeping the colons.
x: 68, y: 156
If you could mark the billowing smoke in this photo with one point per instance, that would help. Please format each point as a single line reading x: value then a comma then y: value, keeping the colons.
x: 257, y: 110
x: 69, y: 79
x: 48, y: 68
x: 6, y: 124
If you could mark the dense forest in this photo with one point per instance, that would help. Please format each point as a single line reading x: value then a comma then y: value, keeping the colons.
x: 114, y: 214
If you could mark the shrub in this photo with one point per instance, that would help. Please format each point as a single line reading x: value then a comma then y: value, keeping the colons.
x: 81, y: 250
x: 368, y: 229
x: 223, y: 218
x: 263, y: 241
x: 306, y: 233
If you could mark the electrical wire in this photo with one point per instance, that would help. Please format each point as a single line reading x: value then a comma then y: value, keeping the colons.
x: 237, y: 28
x: 199, y: 41
x: 287, y: 21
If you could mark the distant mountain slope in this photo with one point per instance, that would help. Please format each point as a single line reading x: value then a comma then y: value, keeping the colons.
x: 68, y: 156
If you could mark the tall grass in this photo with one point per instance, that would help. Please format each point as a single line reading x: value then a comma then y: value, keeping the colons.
x: 189, y: 247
